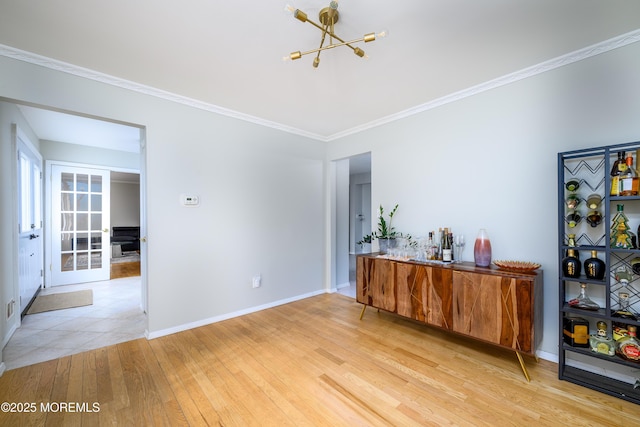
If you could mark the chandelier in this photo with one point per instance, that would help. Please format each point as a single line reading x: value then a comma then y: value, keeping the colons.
x: 328, y: 17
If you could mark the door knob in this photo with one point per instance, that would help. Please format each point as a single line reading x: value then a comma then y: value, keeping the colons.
x: 105, y: 230
x: 143, y: 239
x: 33, y: 236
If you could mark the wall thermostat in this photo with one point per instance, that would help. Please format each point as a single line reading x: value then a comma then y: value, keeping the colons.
x: 189, y: 200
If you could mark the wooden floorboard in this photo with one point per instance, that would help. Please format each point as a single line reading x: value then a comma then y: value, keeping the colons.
x: 307, y: 363
x: 124, y: 269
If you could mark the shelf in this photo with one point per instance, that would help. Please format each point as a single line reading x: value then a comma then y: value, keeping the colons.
x: 600, y: 383
x: 591, y: 168
x: 600, y: 314
x: 584, y: 280
x: 612, y: 359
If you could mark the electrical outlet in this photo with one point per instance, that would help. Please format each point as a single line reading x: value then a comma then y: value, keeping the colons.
x: 10, y: 308
x: 257, y: 281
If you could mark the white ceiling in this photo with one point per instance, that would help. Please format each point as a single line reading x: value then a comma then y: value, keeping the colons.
x: 73, y: 129
x: 228, y: 54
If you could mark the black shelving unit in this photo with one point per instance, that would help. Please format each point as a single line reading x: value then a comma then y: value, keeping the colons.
x: 612, y: 375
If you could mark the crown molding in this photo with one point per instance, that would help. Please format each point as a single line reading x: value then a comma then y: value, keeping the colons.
x: 578, y: 55
x: 54, y: 64
x: 552, y: 64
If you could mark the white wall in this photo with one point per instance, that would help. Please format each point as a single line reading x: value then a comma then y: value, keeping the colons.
x: 262, y: 199
x: 489, y: 161
x: 125, y: 204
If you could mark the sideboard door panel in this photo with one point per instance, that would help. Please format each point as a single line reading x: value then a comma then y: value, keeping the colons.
x: 411, y: 285
x: 439, y: 305
x: 496, y: 309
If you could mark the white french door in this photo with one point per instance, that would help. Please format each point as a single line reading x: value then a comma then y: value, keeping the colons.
x: 80, y: 242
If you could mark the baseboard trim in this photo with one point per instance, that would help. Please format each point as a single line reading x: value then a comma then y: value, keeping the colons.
x: 216, y: 319
x: 547, y: 356
x: 3, y: 368
x: 7, y: 337
x: 343, y: 285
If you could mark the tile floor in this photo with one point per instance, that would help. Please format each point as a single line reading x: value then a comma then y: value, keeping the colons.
x: 114, y: 317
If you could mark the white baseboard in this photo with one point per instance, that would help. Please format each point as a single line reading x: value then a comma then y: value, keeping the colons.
x: 215, y: 319
x: 3, y: 368
x: 547, y: 356
x: 343, y: 285
x: 6, y: 338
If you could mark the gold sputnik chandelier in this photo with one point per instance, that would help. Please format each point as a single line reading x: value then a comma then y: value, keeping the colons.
x: 328, y: 17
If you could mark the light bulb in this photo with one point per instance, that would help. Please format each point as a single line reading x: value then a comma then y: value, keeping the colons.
x: 382, y: 34
x: 289, y: 9
x: 333, y: 5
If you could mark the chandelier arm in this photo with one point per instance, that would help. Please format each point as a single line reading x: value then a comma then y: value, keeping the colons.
x: 331, y: 46
x: 324, y: 35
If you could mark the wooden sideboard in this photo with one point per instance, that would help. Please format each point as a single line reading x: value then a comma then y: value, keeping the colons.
x: 495, y: 306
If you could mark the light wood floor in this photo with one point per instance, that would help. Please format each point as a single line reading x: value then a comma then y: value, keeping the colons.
x: 124, y: 269
x: 308, y: 363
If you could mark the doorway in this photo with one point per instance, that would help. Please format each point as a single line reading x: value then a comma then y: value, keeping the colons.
x: 353, y: 181
x: 111, y: 142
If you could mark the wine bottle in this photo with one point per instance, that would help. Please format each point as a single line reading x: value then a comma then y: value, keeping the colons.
x: 628, y: 179
x: 446, y: 247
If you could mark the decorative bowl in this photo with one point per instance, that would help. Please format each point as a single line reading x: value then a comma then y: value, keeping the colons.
x: 517, y: 265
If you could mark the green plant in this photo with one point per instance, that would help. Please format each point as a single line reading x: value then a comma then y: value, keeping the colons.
x: 385, y: 229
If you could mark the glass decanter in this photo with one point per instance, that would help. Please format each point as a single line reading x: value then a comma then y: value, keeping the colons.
x: 583, y: 301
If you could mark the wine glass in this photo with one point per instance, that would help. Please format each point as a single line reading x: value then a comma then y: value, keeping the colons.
x: 458, y: 246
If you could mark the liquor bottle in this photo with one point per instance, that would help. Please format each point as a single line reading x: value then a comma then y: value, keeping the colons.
x: 629, y: 347
x: 571, y: 242
x: 434, y: 248
x: 571, y: 265
x: 583, y: 301
x: 600, y: 342
x: 629, y: 179
x: 429, y: 249
x: 446, y: 247
x: 620, y: 328
x: 594, y: 267
x: 615, y: 173
x: 621, y: 235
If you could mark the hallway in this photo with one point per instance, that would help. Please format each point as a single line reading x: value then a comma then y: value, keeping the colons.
x: 115, y: 316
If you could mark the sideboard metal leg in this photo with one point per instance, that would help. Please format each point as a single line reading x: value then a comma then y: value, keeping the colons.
x: 364, y: 307
x: 524, y: 368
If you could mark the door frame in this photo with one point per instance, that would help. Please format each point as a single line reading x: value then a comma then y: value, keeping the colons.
x: 48, y: 252
x: 22, y: 143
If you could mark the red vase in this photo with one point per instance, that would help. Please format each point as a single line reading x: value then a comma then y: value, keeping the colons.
x: 482, y: 249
